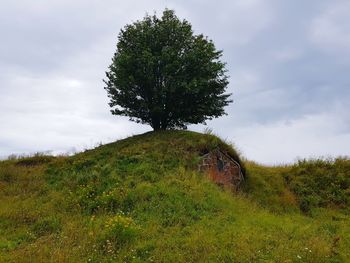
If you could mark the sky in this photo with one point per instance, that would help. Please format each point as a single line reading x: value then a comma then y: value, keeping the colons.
x: 288, y: 63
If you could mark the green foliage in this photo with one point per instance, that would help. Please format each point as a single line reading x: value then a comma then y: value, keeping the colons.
x: 118, y: 231
x: 142, y: 199
x: 267, y: 186
x: 164, y: 75
x: 320, y: 183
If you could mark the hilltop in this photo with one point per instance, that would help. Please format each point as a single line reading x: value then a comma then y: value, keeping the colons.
x: 143, y: 199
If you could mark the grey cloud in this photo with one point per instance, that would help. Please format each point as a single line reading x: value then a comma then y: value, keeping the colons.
x: 288, y: 62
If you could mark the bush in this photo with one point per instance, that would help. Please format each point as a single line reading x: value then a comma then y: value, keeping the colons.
x: 37, y: 159
x: 320, y: 183
x: 87, y: 198
x: 119, y: 231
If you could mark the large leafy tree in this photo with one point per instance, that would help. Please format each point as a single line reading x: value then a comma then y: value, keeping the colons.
x: 164, y: 75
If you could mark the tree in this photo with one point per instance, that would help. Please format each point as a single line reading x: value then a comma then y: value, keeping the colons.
x: 165, y: 76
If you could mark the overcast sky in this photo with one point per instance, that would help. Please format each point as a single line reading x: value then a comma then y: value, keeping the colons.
x: 288, y: 63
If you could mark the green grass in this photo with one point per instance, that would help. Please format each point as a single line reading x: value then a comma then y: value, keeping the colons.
x: 142, y: 199
x: 321, y: 183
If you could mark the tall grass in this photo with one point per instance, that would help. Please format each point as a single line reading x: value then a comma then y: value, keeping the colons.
x: 320, y: 183
x: 142, y: 199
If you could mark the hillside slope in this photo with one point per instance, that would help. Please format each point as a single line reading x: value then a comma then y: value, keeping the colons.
x: 142, y: 199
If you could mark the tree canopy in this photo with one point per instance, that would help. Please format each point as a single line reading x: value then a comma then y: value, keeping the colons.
x: 164, y: 75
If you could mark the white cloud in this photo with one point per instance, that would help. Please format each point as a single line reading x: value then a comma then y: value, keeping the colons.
x: 287, y: 54
x: 58, y: 113
x: 284, y: 141
x: 53, y: 56
x: 229, y: 23
x: 331, y: 29
x: 245, y: 81
x: 321, y: 134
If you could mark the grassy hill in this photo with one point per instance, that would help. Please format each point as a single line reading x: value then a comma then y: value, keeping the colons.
x: 142, y: 199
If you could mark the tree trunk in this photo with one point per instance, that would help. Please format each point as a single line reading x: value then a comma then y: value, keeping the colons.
x: 156, y: 125
x: 160, y: 128
x: 159, y: 124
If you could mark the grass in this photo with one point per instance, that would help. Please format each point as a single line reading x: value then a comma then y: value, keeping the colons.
x: 328, y: 185
x: 142, y: 199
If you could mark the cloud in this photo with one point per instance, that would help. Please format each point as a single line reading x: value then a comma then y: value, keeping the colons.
x: 286, y: 54
x: 330, y: 30
x: 57, y: 114
x: 281, y: 142
x: 287, y: 60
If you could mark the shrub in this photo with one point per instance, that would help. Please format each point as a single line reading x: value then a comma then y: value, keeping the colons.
x: 119, y: 231
x: 110, y: 201
x: 86, y: 197
x: 320, y: 183
x: 37, y: 159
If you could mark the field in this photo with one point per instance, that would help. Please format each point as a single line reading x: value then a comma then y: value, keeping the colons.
x: 142, y: 199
